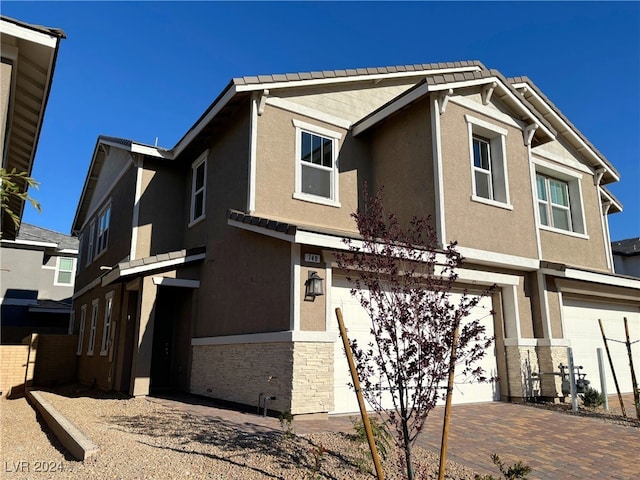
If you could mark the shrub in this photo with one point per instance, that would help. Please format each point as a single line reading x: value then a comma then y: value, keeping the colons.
x: 517, y: 471
x: 592, y: 398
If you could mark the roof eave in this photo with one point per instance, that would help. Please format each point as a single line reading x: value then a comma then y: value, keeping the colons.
x: 528, y: 89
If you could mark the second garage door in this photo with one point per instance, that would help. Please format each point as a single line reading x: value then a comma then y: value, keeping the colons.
x: 580, y: 320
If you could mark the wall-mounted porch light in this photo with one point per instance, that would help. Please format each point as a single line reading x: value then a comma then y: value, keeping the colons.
x: 313, y: 286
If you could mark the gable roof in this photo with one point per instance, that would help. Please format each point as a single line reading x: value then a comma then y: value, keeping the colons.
x: 447, y: 82
x: 103, y: 143
x: 244, y: 85
x: 31, y: 50
x: 563, y: 125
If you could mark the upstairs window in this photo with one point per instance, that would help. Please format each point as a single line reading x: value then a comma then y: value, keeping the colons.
x: 487, y: 144
x: 92, y: 233
x: 482, y: 167
x: 64, y: 271
x: 316, y: 164
x: 102, y: 236
x: 198, y: 188
x: 559, y: 198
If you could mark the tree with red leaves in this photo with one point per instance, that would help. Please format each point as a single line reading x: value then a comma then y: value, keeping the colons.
x: 405, y: 284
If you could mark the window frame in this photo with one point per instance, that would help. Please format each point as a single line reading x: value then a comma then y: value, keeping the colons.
x: 95, y: 304
x: 573, y: 181
x: 495, y: 137
x: 102, y: 236
x: 334, y: 199
x: 107, y: 324
x: 90, y: 243
x: 56, y: 279
x: 83, y: 321
x: 79, y: 259
x: 201, y: 161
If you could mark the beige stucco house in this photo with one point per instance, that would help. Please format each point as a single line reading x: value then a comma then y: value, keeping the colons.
x: 194, y: 259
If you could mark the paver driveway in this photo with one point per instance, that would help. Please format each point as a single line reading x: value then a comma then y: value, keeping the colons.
x: 557, y: 446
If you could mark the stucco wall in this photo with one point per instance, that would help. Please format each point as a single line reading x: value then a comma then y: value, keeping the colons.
x: 402, y: 153
x: 97, y: 368
x: 20, y: 272
x: 275, y: 174
x: 244, y: 285
x: 119, y: 242
x: 161, y: 214
x: 478, y: 225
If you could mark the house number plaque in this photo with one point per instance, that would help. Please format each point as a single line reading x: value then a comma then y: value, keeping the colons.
x: 311, y: 258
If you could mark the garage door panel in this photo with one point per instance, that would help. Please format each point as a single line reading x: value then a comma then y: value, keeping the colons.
x: 580, y: 321
x: 358, y: 326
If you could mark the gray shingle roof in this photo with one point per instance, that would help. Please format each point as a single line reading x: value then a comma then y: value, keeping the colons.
x: 629, y: 246
x: 34, y: 233
x: 351, y: 72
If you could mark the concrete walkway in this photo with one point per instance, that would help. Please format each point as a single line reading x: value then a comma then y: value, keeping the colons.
x: 556, y: 446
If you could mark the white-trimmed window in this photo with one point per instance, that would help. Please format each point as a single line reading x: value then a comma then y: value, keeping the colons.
x: 94, y: 322
x: 559, y: 199
x: 198, y: 188
x: 316, y: 177
x: 102, y: 234
x: 64, y: 271
x: 487, y: 144
x: 92, y: 235
x: 83, y: 321
x: 106, y: 330
x: 79, y: 259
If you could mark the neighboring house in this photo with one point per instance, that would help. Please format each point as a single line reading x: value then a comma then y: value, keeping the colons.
x: 37, y: 273
x: 626, y: 256
x: 29, y: 55
x: 193, y: 260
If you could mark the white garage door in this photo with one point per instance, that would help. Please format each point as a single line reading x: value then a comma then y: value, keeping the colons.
x: 580, y: 319
x: 358, y: 327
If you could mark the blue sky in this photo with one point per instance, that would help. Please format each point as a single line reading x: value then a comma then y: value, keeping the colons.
x: 142, y: 70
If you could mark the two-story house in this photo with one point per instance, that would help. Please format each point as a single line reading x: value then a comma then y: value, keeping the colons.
x: 194, y: 260
x: 37, y: 273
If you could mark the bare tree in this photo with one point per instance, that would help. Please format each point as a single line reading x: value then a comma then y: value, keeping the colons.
x: 405, y: 284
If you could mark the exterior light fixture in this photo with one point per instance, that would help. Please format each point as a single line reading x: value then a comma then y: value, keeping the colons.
x: 313, y: 285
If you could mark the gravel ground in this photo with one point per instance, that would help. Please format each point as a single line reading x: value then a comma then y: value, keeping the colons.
x: 139, y: 439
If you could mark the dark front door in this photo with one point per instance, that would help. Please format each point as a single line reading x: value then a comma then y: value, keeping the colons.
x: 170, y: 356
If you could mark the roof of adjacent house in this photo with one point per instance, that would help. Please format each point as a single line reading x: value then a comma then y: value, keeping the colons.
x: 627, y: 247
x: 33, y: 233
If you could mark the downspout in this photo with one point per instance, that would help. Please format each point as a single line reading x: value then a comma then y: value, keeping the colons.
x: 253, y: 141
